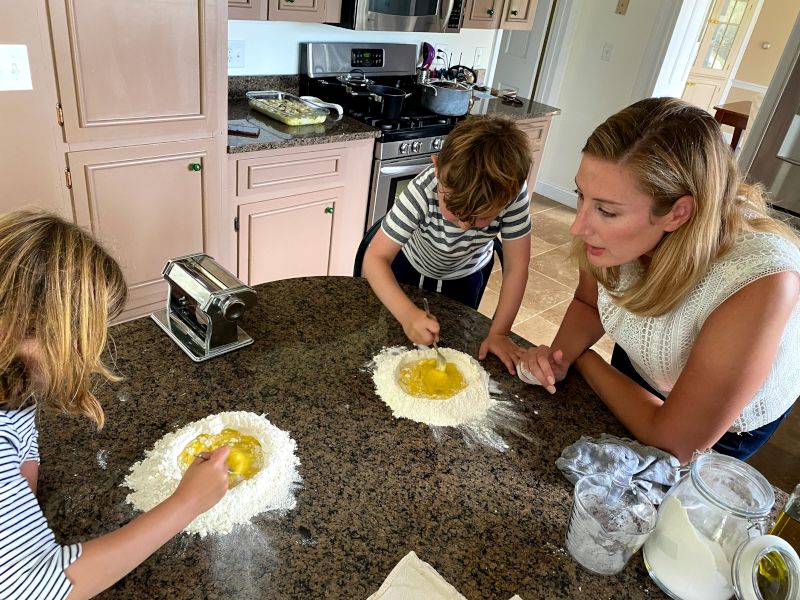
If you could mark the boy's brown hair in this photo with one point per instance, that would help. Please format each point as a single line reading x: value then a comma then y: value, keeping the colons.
x: 483, y: 164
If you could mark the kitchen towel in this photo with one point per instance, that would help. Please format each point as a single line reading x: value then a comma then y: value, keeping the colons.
x: 414, y: 579
x: 652, y: 470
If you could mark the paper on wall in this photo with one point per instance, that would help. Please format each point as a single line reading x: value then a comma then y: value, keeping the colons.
x: 15, y: 70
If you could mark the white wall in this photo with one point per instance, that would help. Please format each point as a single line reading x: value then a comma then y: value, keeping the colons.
x: 592, y: 89
x: 272, y: 48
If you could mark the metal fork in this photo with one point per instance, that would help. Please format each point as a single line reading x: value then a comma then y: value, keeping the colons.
x: 441, y: 362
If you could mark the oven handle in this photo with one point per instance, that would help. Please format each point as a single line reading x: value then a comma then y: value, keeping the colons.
x: 410, y: 170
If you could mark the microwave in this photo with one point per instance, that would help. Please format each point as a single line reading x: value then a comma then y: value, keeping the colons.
x: 442, y: 16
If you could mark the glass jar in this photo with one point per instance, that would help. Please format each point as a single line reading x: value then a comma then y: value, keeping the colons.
x: 708, y: 542
x: 788, y: 524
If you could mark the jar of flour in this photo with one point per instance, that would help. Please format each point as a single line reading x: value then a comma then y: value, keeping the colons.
x: 708, y: 542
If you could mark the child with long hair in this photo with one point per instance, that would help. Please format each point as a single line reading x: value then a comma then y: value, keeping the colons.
x: 58, y: 291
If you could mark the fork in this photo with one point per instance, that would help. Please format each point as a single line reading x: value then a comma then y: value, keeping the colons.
x: 441, y: 362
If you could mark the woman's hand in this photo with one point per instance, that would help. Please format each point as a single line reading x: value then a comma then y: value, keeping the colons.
x: 503, y: 348
x: 546, y: 366
x: 421, y: 328
x: 205, y: 481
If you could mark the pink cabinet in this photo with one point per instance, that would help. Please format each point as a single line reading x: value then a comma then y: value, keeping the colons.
x: 536, y: 130
x: 499, y: 14
x: 287, y: 237
x: 298, y: 211
x: 147, y: 204
x: 309, y: 11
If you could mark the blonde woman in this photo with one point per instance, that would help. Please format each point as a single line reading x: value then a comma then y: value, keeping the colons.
x: 58, y: 289
x: 682, y: 267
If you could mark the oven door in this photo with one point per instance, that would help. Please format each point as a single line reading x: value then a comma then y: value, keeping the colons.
x: 389, y: 180
x: 400, y: 15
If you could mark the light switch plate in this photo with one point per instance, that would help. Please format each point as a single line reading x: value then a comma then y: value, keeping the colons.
x: 235, y: 54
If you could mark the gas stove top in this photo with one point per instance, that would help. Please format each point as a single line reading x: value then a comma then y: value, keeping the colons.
x: 415, y: 122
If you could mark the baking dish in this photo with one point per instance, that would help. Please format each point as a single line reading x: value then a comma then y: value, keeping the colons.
x: 286, y: 108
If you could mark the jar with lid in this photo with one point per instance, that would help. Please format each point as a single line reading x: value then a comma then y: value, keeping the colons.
x: 788, y: 524
x: 708, y: 542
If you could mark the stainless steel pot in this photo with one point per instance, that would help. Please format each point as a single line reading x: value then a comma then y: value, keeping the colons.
x: 447, y: 98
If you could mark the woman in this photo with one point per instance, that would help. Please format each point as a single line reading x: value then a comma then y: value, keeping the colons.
x: 58, y: 290
x: 682, y: 267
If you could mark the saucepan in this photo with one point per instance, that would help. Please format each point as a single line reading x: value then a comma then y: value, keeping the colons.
x: 447, y: 98
x: 389, y: 100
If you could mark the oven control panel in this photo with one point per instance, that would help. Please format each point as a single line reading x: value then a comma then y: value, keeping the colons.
x: 366, y: 57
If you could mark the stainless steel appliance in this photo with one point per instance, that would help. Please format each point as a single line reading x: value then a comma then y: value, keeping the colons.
x: 402, y: 15
x: 406, y: 144
x: 772, y: 150
x: 204, y: 306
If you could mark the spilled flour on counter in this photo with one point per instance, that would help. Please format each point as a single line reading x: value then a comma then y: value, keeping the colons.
x: 155, y: 478
x: 475, y: 410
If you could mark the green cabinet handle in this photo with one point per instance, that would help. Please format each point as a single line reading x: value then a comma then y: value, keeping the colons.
x: 290, y: 1
x: 514, y: 13
x: 490, y: 12
x: 195, y: 166
x: 328, y: 210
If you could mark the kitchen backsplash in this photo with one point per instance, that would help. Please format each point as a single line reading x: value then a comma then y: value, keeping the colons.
x: 238, y: 85
x: 274, y: 47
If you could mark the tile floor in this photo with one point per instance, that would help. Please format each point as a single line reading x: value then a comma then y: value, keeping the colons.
x: 551, y: 283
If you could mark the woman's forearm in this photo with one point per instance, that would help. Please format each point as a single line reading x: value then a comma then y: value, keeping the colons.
x: 580, y: 329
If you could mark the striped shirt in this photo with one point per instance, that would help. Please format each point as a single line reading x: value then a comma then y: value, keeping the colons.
x: 440, y: 249
x: 32, y: 564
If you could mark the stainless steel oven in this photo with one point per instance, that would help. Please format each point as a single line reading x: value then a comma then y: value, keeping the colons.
x: 396, y: 163
x: 402, y: 15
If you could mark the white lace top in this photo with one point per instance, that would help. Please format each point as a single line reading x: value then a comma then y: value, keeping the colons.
x: 659, y: 347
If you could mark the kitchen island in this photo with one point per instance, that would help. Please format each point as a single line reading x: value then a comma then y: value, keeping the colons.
x: 374, y: 487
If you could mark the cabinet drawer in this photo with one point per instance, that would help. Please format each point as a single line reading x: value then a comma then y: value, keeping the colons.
x: 272, y: 175
x: 536, y: 132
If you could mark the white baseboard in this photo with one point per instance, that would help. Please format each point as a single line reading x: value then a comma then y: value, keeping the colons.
x: 559, y: 194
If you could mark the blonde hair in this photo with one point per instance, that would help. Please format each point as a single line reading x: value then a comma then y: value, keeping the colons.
x: 674, y: 149
x: 483, y: 163
x: 58, y: 290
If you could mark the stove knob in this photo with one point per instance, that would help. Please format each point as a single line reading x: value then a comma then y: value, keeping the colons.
x: 437, y: 144
x: 416, y: 146
x: 404, y: 148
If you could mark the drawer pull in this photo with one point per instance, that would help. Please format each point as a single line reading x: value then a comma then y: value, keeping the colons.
x: 195, y: 166
x: 514, y: 12
x: 490, y: 12
x: 328, y: 210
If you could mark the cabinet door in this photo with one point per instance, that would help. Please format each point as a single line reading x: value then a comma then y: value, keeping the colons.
x: 136, y: 69
x: 147, y: 204
x: 482, y: 14
x: 518, y: 14
x: 248, y: 10
x: 537, y: 136
x: 287, y: 237
x: 310, y: 11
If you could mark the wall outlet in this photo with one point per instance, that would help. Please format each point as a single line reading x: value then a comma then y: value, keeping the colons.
x: 235, y: 54
x: 622, y: 7
x: 443, y: 51
x: 605, y: 54
x: 477, y: 60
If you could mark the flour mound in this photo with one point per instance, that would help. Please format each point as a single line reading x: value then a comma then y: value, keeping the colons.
x: 466, y: 406
x: 153, y: 479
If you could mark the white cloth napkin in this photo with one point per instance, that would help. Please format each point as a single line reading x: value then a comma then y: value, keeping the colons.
x: 525, y: 375
x: 414, y: 579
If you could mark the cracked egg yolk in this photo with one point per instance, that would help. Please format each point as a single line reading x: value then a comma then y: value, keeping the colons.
x: 245, y: 459
x: 423, y: 379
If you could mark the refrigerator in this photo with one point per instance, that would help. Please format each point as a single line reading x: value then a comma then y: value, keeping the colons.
x: 771, y: 154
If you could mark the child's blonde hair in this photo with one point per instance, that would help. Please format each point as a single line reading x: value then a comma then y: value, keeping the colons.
x: 675, y: 149
x: 58, y: 290
x: 483, y: 163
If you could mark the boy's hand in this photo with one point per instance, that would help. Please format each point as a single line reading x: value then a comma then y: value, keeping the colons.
x: 421, y: 328
x: 501, y: 346
x: 546, y: 366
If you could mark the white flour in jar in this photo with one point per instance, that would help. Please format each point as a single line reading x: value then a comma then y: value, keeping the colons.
x: 153, y: 479
x: 687, y: 563
x: 475, y: 410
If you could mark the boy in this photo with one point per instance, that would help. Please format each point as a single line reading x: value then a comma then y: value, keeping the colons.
x: 439, y: 234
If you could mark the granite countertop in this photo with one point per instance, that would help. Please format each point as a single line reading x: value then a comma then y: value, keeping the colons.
x: 374, y: 487
x: 274, y: 134
x: 528, y: 110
